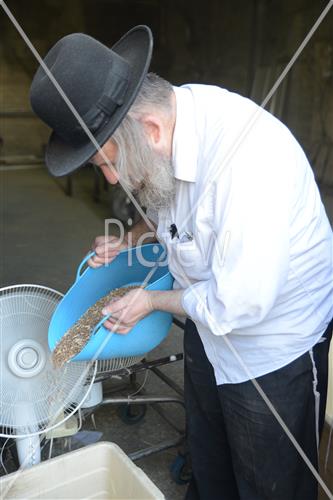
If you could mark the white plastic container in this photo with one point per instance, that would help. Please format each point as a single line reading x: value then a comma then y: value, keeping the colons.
x: 99, y: 471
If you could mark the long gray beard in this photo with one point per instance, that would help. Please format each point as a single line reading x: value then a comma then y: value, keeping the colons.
x: 158, y: 190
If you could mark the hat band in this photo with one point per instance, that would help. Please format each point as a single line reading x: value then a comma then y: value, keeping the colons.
x: 99, y: 114
x: 112, y: 98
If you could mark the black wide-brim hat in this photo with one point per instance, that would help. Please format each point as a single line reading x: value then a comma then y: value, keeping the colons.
x: 101, y: 84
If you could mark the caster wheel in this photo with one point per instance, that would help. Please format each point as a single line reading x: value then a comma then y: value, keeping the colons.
x: 180, y: 470
x: 131, y: 414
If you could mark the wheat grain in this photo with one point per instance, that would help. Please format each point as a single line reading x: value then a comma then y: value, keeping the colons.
x: 78, y: 335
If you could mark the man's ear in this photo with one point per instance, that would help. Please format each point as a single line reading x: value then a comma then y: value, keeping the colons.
x: 153, y: 127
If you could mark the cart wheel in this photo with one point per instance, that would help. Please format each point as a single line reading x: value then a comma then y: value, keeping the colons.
x: 131, y: 414
x: 180, y: 470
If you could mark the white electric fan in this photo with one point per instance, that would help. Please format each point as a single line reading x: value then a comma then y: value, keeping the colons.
x: 35, y: 397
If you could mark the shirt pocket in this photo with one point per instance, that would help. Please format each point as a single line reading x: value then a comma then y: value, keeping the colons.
x: 186, y: 257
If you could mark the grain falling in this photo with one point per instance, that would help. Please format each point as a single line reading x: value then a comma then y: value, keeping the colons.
x: 76, y: 338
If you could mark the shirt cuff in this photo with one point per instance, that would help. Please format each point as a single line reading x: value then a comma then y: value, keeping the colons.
x: 195, y: 304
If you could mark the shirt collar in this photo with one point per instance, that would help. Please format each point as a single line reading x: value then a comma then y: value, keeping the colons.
x: 185, y: 140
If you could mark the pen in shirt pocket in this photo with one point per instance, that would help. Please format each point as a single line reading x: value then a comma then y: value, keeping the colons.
x: 185, y: 236
x: 182, y: 237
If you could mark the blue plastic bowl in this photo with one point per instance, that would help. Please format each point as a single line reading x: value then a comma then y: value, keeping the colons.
x: 130, y: 266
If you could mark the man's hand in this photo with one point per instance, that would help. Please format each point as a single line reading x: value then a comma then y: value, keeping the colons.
x: 128, y: 310
x: 107, y: 248
x: 137, y: 304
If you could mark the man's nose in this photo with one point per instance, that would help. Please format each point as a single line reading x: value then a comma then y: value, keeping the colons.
x: 110, y: 174
x: 113, y: 178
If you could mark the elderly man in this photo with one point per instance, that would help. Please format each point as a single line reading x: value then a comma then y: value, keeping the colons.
x: 233, y: 198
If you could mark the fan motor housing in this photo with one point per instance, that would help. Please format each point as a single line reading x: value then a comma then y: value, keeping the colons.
x: 26, y: 358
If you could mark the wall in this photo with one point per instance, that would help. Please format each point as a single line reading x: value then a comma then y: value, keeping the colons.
x: 224, y: 42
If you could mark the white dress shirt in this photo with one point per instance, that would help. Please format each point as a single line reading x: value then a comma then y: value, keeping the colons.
x: 254, y: 249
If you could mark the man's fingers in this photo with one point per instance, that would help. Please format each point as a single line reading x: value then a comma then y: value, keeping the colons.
x: 108, y: 324
x: 120, y: 319
x: 117, y: 328
x: 93, y: 264
x: 98, y: 241
x: 115, y: 307
x: 101, y: 240
x: 98, y: 260
x: 118, y: 322
x: 107, y: 249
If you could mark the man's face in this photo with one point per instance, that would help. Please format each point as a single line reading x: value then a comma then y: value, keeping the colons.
x: 156, y: 187
x: 110, y: 150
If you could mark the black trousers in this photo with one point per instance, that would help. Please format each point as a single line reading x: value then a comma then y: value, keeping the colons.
x: 238, y: 450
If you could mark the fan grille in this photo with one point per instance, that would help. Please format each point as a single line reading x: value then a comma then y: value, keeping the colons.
x: 105, y: 366
x: 32, y: 405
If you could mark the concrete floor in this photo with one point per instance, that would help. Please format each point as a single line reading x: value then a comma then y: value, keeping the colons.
x: 44, y: 235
